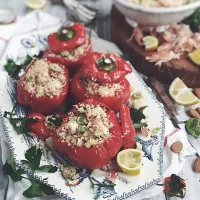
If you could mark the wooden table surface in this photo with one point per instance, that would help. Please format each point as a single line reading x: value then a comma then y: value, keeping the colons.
x: 103, y: 30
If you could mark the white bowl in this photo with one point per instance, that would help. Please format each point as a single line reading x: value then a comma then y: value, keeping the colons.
x: 154, y: 17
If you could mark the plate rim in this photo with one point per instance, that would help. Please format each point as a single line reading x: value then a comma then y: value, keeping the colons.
x: 66, y: 195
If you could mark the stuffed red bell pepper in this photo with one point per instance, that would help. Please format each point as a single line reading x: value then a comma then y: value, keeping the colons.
x: 90, y: 135
x: 111, y: 94
x: 105, y: 68
x: 69, y: 46
x: 43, y: 87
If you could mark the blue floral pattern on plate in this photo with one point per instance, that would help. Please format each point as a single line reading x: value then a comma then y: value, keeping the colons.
x: 32, y: 43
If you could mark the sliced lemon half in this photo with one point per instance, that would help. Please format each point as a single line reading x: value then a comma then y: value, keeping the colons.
x: 150, y: 42
x: 130, y: 161
x: 195, y: 56
x: 35, y: 4
x: 181, y: 93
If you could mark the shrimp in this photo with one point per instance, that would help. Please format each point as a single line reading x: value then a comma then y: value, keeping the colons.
x: 138, y: 35
x: 160, y: 57
x: 196, y: 40
x: 183, y: 35
x: 166, y: 46
x: 168, y: 36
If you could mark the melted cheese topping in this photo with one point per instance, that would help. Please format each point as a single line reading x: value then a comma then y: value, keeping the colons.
x: 104, y: 90
x: 45, y: 79
x: 94, y: 132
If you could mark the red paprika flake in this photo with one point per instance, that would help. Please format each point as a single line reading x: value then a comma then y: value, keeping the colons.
x: 68, y: 38
x: 105, y: 68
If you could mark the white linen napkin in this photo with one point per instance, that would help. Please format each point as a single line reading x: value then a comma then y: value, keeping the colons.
x: 33, y: 21
x: 173, y: 163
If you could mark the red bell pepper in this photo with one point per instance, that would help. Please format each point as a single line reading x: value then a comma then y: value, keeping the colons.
x: 68, y: 38
x: 97, y: 156
x: 39, y: 128
x: 43, y: 104
x: 46, y: 125
x: 105, y: 68
x: 128, y: 129
x: 79, y: 92
x: 175, y: 186
x: 75, y: 62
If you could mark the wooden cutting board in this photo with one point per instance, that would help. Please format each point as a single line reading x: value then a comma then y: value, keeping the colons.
x: 183, y: 68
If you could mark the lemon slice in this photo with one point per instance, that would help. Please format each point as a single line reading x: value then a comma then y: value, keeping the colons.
x: 150, y: 42
x: 181, y: 93
x: 129, y: 161
x: 195, y: 56
x: 35, y: 4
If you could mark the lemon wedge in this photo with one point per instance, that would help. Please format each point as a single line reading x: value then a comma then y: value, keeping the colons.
x: 35, y: 4
x: 195, y: 56
x: 129, y: 161
x: 181, y: 93
x: 150, y: 42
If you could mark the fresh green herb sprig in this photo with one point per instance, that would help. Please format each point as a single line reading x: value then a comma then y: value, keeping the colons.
x: 139, y: 125
x: 33, y: 158
x: 19, y: 123
x: 137, y: 115
x: 105, y: 185
x: 193, y: 21
x: 14, y: 69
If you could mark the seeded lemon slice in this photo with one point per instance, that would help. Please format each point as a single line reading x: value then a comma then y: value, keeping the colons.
x: 35, y: 4
x: 181, y: 93
x: 150, y: 42
x: 195, y: 56
x: 129, y: 161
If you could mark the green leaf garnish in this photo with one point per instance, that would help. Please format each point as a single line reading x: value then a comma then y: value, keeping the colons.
x: 139, y: 125
x: 33, y: 156
x: 47, y: 189
x: 19, y: 123
x: 193, y: 21
x: 14, y: 69
x: 192, y: 126
x: 48, y: 168
x: 9, y: 169
x: 33, y: 191
x: 137, y: 115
